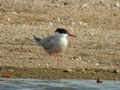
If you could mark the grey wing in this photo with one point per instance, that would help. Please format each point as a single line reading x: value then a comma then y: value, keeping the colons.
x: 49, y: 43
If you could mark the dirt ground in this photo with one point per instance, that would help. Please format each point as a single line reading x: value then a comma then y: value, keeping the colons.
x: 96, y: 23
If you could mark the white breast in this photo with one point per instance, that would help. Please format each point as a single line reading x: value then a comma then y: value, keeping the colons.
x: 64, y: 42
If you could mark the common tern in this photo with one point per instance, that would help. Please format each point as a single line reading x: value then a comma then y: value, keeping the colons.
x: 56, y: 43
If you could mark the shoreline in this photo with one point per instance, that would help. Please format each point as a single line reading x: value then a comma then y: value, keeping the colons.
x: 94, y: 53
x: 53, y: 73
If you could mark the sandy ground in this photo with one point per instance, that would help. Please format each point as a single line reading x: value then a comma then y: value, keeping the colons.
x: 96, y: 23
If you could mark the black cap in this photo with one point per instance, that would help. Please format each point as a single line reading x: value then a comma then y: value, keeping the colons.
x: 62, y: 31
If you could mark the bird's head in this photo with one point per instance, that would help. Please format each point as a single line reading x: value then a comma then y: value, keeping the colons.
x: 63, y: 32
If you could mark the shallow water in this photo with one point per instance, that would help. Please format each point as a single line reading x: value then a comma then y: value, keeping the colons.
x: 60, y: 84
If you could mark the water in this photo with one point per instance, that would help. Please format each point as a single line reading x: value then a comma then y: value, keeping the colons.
x: 60, y: 84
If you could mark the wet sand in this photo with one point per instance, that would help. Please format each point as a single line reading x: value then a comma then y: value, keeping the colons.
x: 53, y: 73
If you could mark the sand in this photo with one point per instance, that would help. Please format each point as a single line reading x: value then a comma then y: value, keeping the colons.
x: 96, y: 23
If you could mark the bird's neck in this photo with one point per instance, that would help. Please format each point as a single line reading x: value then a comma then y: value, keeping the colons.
x: 62, y: 39
x: 61, y: 36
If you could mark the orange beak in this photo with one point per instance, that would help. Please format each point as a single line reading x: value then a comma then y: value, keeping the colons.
x: 71, y: 35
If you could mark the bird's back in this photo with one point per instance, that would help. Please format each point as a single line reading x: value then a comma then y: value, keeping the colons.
x: 52, y: 44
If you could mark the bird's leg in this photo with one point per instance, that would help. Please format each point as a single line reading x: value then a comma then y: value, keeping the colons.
x: 49, y: 54
x: 57, y: 57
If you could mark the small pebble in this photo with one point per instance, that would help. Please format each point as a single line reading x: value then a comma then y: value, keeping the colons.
x: 83, y: 23
x: 116, y: 71
x: 68, y: 70
x: 15, y: 13
x: 8, y: 19
x: 7, y: 76
x: 85, y: 5
x: 97, y: 64
x: 10, y: 70
x: 50, y: 23
x: 58, y: 19
x: 117, y: 4
x: 99, y: 81
x: 47, y: 65
x: 65, y: 3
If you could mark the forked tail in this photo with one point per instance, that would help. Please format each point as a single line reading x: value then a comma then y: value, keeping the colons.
x: 37, y: 40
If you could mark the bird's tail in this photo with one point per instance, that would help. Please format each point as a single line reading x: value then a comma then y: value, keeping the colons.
x: 37, y: 40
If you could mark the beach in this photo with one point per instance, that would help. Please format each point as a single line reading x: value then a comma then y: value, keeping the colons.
x: 95, y: 52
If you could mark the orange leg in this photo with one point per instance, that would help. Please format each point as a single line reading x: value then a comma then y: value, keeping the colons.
x: 58, y: 57
x: 49, y: 54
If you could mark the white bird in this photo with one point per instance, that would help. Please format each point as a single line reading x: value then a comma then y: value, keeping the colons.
x: 56, y: 43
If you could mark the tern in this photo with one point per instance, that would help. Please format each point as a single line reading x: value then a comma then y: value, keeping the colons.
x: 56, y: 43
